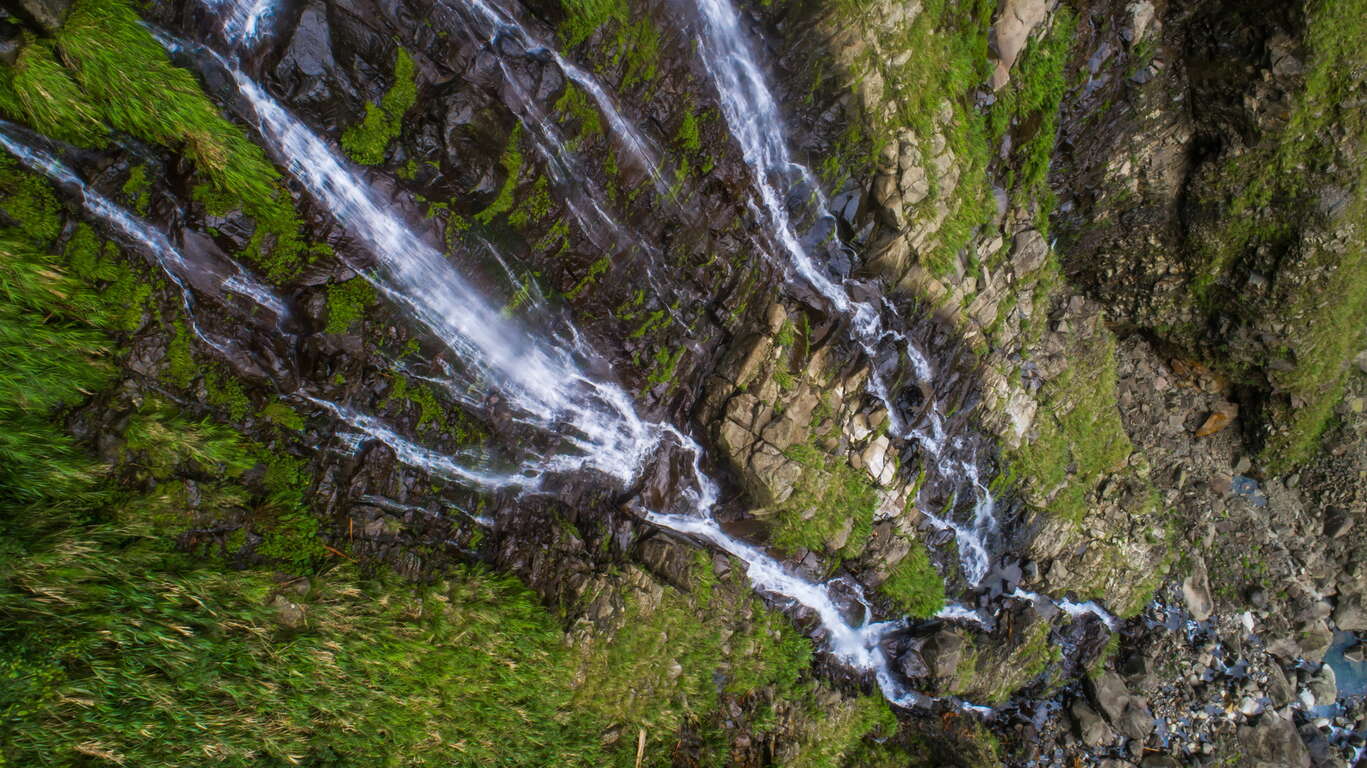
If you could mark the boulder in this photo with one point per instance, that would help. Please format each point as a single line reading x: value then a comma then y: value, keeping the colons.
x: 1273, y: 743
x: 47, y: 15
x: 1196, y: 591
x: 1090, y: 727
x: 1349, y: 614
x: 1109, y: 694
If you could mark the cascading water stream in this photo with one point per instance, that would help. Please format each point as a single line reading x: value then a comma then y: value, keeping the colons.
x: 208, y: 278
x: 597, y: 409
x: 151, y: 241
x: 753, y: 117
x: 639, y: 147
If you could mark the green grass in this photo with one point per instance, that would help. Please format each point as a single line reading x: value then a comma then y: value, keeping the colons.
x: 828, y: 495
x: 366, y: 141
x: 1038, y: 83
x: 104, y: 71
x: 914, y: 586
x: 347, y: 303
x: 664, y: 667
x: 1080, y: 435
x: 1327, y: 312
x: 848, y: 737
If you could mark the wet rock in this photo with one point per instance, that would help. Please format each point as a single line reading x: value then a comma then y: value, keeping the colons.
x: 1324, y: 686
x: 288, y: 612
x: 1314, y: 639
x: 1196, y: 591
x: 11, y: 42
x: 943, y: 652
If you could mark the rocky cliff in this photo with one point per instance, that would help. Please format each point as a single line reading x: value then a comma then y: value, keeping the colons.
x: 1125, y: 235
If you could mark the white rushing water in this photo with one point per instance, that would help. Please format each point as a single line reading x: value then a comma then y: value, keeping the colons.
x: 753, y: 116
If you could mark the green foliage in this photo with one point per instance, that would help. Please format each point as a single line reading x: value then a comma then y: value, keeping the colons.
x: 584, y: 17
x: 661, y: 668
x: 575, y: 104
x: 828, y: 496
x: 366, y: 141
x: 914, y: 586
x: 103, y: 70
x: 1080, y: 435
x: 347, y: 303
x: 635, y: 46
x: 282, y: 415
x: 125, y: 293
x: 39, y: 90
x: 1327, y: 311
x: 420, y: 394
x: 845, y: 736
x: 114, y: 648
x: 180, y: 362
x: 226, y: 392
x: 1032, y: 98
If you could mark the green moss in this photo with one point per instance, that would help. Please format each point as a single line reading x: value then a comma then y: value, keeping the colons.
x: 536, y: 207
x: 575, y: 104
x: 181, y: 368
x: 688, y: 136
x: 347, y: 303
x: 914, y: 586
x: 512, y: 168
x: 226, y: 392
x: 1080, y: 435
x: 845, y: 736
x: 664, y: 667
x: 584, y: 17
x: 420, y: 394
x: 366, y: 141
x: 280, y: 414
x: 138, y: 188
x: 828, y: 496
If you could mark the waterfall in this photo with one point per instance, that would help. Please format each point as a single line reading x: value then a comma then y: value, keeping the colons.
x: 539, y: 378
x: 754, y: 120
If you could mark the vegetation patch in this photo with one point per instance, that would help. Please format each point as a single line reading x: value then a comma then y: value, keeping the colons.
x: 829, y: 497
x: 915, y: 586
x: 347, y: 303
x: 103, y: 70
x: 366, y: 141
x: 1080, y: 436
